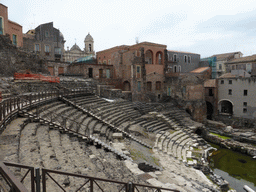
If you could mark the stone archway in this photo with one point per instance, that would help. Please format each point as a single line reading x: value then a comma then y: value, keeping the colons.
x: 226, y: 106
x: 127, y: 86
x: 209, y: 110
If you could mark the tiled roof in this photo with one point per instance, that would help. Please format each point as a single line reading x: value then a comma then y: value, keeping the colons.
x: 210, y: 83
x: 182, y: 52
x: 251, y: 58
x: 200, y: 70
x: 225, y: 55
x: 227, y: 75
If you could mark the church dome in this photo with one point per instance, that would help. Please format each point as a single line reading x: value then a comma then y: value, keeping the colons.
x: 75, y: 47
x: 88, y: 37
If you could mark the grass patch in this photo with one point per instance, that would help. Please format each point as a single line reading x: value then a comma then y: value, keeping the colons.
x: 220, y: 136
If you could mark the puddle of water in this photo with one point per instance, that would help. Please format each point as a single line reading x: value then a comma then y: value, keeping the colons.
x: 238, y: 169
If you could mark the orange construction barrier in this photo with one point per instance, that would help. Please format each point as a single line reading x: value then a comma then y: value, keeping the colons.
x: 30, y: 76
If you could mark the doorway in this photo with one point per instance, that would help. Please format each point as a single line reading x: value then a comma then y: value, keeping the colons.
x: 90, y: 72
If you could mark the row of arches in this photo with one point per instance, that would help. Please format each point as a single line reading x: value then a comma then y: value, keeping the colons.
x: 224, y: 106
x: 150, y: 57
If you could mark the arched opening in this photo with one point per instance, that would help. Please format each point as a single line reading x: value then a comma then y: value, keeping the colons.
x: 127, y: 86
x: 149, y: 57
x: 90, y: 47
x: 159, y: 58
x: 189, y: 112
x: 149, y: 86
x: 226, y: 107
x: 158, y: 85
x: 175, y: 69
x: 179, y: 68
x: 209, y: 110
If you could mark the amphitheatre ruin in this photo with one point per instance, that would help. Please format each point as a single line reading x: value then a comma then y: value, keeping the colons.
x: 77, y: 131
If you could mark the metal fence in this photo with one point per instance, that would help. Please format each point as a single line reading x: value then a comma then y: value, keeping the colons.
x: 10, y: 107
x: 40, y: 178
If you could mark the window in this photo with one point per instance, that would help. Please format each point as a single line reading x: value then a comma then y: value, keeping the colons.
x: 229, y: 81
x: 230, y: 91
x: 46, y: 48
x: 108, y: 73
x: 245, y: 92
x: 159, y: 59
x: 14, y: 39
x: 244, y: 110
x: 104, y: 62
x: 109, y: 62
x: 37, y: 47
x: 179, y: 68
x: 57, y: 50
x: 175, y: 69
x: 222, y: 82
x: 210, y: 92
x: 175, y: 57
x: 139, y: 85
x: 1, y: 26
x: 138, y: 71
x: 158, y: 85
x: 99, y: 57
x: 245, y: 104
x: 149, y: 86
x: 90, y: 47
x: 100, y: 73
x: 185, y: 58
x: 99, y: 62
x: 46, y: 33
x: 189, y: 59
x: 220, y: 67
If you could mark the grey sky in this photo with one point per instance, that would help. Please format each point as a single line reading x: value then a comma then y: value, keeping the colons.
x: 202, y: 26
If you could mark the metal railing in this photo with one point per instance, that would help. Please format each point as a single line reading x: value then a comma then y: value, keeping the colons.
x: 40, y: 177
x: 9, y: 107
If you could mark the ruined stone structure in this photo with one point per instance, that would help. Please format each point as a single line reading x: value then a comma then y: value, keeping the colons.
x: 75, y: 52
x: 188, y: 90
x: 46, y: 41
x: 10, y: 28
x: 211, y: 97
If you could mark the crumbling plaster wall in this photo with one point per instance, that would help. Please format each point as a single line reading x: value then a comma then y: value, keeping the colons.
x: 189, y: 92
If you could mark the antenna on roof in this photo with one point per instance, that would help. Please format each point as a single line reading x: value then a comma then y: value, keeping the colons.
x: 137, y: 40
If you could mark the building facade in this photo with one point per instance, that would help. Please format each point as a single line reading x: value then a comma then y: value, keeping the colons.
x: 182, y: 62
x: 10, y: 28
x: 75, y: 52
x: 236, y: 96
x: 222, y: 59
x: 46, y: 41
x: 138, y: 69
x: 243, y: 63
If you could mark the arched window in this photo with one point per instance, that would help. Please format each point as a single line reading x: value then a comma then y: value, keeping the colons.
x: 149, y: 57
x: 159, y: 57
x: 158, y: 85
x: 175, y: 69
x: 90, y: 47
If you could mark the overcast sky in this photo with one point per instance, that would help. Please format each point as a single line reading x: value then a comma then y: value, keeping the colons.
x: 202, y: 26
